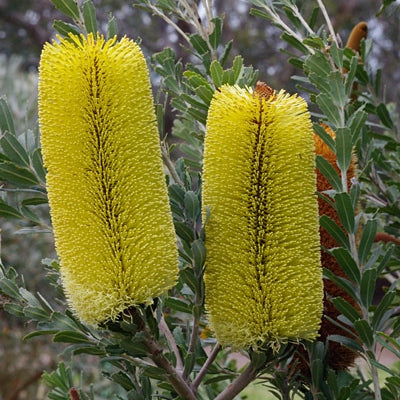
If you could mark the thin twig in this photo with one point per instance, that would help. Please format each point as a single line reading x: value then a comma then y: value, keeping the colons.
x: 206, y: 365
x: 170, y: 166
x: 170, y: 338
x: 328, y: 21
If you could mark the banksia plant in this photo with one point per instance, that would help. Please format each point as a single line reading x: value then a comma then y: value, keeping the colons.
x: 109, y: 206
x: 263, y: 276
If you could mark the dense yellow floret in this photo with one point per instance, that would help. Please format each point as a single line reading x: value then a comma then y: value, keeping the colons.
x: 263, y: 275
x: 109, y: 204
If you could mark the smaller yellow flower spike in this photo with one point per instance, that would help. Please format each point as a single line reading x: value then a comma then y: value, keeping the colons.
x: 263, y: 275
x: 109, y: 204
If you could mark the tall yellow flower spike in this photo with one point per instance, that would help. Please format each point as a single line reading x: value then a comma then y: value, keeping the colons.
x: 263, y: 276
x: 108, y: 199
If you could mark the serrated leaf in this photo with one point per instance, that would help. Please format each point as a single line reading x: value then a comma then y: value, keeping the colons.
x: 112, y: 28
x: 215, y: 36
x: 178, y: 305
x: 343, y: 283
x: 334, y: 230
x: 367, y: 287
x: 355, y: 195
x: 350, y: 343
x: 89, y: 17
x: 68, y: 7
x: 6, y: 119
x: 384, y: 115
x: 70, y: 337
x: 337, y: 55
x: 367, y: 239
x: 14, y: 309
x: 329, y: 172
x: 199, y: 253
x: 237, y: 68
x: 351, y: 75
x: 65, y: 29
x: 319, y: 64
x: 10, y: 288
x: 338, y: 92
x: 328, y: 107
x: 364, y: 332
x: 216, y: 72
x: 344, y: 148
x: 325, y: 136
x: 13, y: 149
x: 383, y: 310
x: 346, y: 309
x: 296, y: 43
x: 199, y: 44
x: 347, y: 264
x: 344, y: 208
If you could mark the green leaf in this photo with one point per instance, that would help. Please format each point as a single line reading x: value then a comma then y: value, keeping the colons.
x: 10, y: 288
x: 68, y: 7
x: 346, y: 309
x: 296, y: 43
x: 237, y: 68
x: 215, y: 36
x: 347, y: 264
x: 192, y: 205
x: 351, y: 75
x: 178, y: 305
x: 334, y: 230
x: 89, y: 17
x: 384, y: 115
x: 17, y: 175
x: 349, y: 343
x: 328, y: 107
x: 36, y: 313
x: 337, y: 56
x: 319, y: 64
x: 9, y: 212
x: 189, y: 363
x: 344, y: 208
x: 217, y: 73
x: 343, y: 283
x: 14, y: 309
x: 37, y: 162
x: 364, y: 331
x: 367, y: 239
x: 6, y: 119
x: 355, y: 195
x: 199, y: 44
x: 199, y: 253
x: 112, y: 28
x: 329, y: 172
x: 70, y: 337
x: 344, y: 148
x: 64, y: 29
x: 383, y: 311
x: 367, y: 287
x: 338, y: 92
x: 325, y: 136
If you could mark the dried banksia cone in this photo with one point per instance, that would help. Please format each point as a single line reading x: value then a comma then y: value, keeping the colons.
x: 109, y: 206
x: 340, y: 357
x: 263, y: 276
x: 358, y: 33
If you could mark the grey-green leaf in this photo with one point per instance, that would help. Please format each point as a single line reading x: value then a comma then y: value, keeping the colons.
x: 89, y: 17
x: 344, y: 208
x: 6, y: 119
x: 14, y: 150
x: 68, y: 7
x: 367, y: 240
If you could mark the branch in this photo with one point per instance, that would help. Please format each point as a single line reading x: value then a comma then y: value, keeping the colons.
x: 179, y: 384
x: 204, y: 368
x: 247, y: 376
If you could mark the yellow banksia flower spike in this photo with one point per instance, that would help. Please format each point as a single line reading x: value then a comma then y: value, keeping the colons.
x: 108, y: 199
x: 263, y: 276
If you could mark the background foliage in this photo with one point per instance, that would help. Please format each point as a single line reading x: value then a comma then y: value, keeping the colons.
x: 187, y: 68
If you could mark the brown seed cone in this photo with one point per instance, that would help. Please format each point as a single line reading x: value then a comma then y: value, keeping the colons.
x: 340, y: 357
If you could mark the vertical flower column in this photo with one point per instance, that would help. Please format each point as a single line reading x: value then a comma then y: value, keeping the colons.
x: 263, y: 276
x: 108, y: 199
